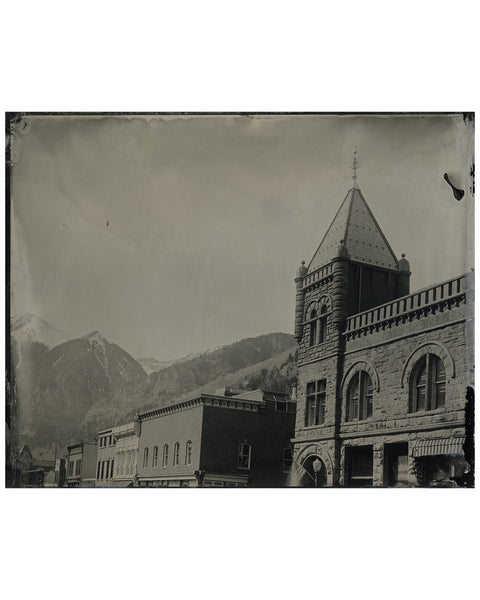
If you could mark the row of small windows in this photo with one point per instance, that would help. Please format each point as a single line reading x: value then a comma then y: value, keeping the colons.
x: 108, y: 440
x: 427, y: 392
x: 176, y: 455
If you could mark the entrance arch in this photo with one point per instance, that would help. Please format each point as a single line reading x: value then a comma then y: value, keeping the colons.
x: 315, y: 472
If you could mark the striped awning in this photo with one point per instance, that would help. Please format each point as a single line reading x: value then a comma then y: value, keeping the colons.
x: 436, y: 446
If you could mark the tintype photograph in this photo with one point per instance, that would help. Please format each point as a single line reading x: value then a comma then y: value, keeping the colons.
x: 240, y: 300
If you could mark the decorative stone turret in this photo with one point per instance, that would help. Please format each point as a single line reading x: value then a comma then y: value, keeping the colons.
x: 299, y: 300
x: 403, y: 277
x: 340, y: 286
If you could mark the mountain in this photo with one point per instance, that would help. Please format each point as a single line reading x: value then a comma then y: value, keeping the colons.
x: 78, y: 387
x: 56, y: 388
x: 28, y: 328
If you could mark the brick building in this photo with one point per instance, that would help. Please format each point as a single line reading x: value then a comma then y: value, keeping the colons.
x: 383, y: 373
x: 218, y: 441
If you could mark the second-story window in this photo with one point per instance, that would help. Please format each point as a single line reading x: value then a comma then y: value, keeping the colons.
x: 155, y: 456
x: 145, y: 458
x: 244, y: 455
x: 360, y: 397
x: 429, y: 382
x: 78, y: 466
x: 176, y: 454
x: 188, y: 452
x: 70, y: 468
x: 313, y: 328
x: 315, y: 402
x: 322, y: 327
x: 165, y: 455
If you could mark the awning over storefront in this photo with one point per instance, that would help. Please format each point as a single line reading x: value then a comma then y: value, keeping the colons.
x: 121, y: 484
x: 436, y: 446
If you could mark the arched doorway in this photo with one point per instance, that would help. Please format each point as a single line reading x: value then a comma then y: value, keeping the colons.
x: 315, y: 472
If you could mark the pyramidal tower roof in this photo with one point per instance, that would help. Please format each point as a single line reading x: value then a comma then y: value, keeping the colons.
x: 355, y: 224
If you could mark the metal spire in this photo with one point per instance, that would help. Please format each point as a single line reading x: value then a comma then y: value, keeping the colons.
x: 355, y: 167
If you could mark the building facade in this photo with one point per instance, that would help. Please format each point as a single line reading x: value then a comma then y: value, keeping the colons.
x: 126, y: 456
x: 383, y: 373
x: 106, y: 451
x: 218, y: 441
x: 81, y: 464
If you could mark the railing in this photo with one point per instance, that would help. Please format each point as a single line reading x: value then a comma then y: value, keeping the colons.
x: 428, y: 297
x: 318, y: 275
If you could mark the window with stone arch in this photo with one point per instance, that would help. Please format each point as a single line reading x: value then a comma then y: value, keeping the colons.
x: 165, y: 455
x: 427, y: 384
x: 313, y: 328
x: 188, y: 453
x: 176, y: 454
x: 322, y: 324
x: 155, y: 457
x: 359, y: 397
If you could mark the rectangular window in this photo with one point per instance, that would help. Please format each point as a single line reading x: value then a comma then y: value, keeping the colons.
x: 315, y: 403
x: 98, y: 469
x: 111, y: 468
x: 77, y: 466
x: 103, y: 470
x: 244, y: 454
x: 70, y: 468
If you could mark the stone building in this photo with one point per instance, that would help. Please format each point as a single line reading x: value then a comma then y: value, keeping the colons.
x: 383, y: 373
x: 218, y: 441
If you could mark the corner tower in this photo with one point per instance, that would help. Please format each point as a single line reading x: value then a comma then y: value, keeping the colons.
x: 353, y: 269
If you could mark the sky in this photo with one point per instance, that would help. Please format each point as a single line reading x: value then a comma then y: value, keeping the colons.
x: 175, y: 234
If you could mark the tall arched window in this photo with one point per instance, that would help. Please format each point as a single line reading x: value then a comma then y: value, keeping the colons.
x: 322, y: 334
x: 165, y: 455
x: 176, y: 454
x: 427, y: 389
x: 188, y: 452
x: 360, y: 397
x: 313, y: 328
x: 155, y: 457
x: 145, y: 458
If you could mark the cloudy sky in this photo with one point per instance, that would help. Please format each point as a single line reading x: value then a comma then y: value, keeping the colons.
x: 172, y: 235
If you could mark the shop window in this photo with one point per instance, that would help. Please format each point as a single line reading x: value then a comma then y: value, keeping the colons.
x: 145, y: 458
x: 176, y: 454
x: 188, y: 452
x: 244, y: 454
x: 165, y: 455
x: 315, y: 404
x: 155, y: 456
x: 360, y: 397
x: 428, y: 382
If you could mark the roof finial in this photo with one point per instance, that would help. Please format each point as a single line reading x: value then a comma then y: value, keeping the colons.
x: 355, y: 167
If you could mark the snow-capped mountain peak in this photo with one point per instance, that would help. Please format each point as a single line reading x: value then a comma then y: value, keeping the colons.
x: 28, y: 328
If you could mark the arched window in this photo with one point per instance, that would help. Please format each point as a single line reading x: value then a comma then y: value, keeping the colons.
x: 322, y: 324
x: 188, y: 452
x: 244, y: 455
x: 427, y: 389
x: 360, y: 397
x: 145, y: 458
x: 176, y: 454
x: 313, y: 328
x: 155, y: 456
x: 165, y: 455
